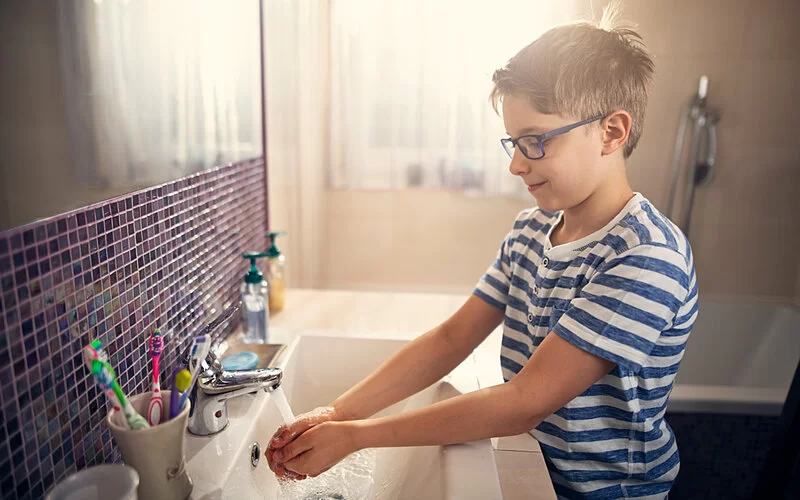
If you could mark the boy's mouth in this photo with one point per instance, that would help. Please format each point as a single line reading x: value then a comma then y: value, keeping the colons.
x: 534, y: 187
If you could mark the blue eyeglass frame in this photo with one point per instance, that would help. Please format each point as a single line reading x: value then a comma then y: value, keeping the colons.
x: 508, y: 142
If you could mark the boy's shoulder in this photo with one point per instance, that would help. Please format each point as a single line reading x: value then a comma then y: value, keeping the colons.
x: 638, y: 228
x: 643, y: 227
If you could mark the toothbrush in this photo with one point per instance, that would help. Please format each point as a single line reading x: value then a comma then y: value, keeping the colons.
x: 200, y: 349
x: 174, y: 403
x: 180, y: 382
x: 156, y: 408
x: 105, y: 376
x: 174, y: 394
x: 95, y: 351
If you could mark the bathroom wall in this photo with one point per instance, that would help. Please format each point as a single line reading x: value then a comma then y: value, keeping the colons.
x: 166, y: 257
x: 745, y: 230
x: 414, y: 240
x: 29, y: 55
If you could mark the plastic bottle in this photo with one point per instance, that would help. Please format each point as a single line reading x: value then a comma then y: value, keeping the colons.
x: 255, y: 303
x: 276, y: 275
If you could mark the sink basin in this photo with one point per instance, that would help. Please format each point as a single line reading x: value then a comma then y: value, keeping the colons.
x: 316, y: 371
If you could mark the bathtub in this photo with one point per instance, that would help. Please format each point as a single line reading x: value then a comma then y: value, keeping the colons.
x: 741, y: 357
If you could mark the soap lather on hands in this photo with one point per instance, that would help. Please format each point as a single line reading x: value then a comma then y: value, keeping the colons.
x: 279, y: 455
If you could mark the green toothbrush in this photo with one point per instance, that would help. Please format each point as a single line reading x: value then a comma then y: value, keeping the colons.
x: 105, y: 376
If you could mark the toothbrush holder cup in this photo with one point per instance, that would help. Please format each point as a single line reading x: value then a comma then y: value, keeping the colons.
x: 156, y: 453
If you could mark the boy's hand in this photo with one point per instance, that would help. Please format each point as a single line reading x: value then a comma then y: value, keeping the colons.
x: 318, y: 449
x: 285, y: 435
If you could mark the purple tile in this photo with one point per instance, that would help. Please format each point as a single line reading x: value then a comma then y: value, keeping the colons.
x: 52, y: 229
x: 19, y: 259
x: 28, y: 237
x: 16, y: 241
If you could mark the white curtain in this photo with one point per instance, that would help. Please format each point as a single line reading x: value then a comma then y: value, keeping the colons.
x: 298, y: 100
x: 159, y: 89
x: 359, y: 90
x: 409, y: 90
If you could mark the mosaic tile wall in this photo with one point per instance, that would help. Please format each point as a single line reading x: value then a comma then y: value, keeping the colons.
x: 166, y: 257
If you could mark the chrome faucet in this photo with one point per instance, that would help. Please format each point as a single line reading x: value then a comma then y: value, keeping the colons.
x: 209, y: 397
x: 215, y: 386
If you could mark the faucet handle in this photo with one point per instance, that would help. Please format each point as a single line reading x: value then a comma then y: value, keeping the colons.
x: 211, y: 366
x: 217, y: 329
x: 267, y: 379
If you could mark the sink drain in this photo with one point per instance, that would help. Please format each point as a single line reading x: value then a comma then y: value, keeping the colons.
x: 255, y: 454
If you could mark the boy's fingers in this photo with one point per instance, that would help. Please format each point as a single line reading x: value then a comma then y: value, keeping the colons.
x: 292, y: 450
x: 289, y: 434
x: 277, y: 434
x: 286, y: 473
x: 278, y: 469
x: 271, y: 462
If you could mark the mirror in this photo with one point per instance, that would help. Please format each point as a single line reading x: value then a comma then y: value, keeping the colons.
x: 104, y: 97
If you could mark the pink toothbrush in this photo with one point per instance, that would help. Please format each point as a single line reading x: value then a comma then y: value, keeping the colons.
x: 156, y: 408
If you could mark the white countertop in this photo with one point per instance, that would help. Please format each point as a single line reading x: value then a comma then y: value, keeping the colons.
x: 523, y: 473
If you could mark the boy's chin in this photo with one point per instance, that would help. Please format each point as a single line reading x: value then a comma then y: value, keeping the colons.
x: 547, y: 203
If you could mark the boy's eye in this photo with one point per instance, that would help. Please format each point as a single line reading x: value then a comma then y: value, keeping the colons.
x: 529, y: 142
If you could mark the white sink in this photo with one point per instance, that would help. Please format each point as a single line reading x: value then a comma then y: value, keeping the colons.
x: 316, y: 371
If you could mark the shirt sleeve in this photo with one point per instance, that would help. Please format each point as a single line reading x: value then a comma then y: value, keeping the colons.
x: 623, y: 310
x: 492, y: 288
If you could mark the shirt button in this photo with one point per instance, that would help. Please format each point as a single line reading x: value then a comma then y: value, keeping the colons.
x: 530, y: 318
x: 545, y: 261
x: 536, y: 290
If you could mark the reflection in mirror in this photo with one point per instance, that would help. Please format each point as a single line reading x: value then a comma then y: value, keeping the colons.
x: 103, y: 97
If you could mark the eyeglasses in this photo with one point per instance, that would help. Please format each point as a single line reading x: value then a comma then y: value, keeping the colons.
x: 532, y: 145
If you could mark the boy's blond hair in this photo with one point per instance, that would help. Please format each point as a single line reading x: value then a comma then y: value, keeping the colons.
x: 583, y: 70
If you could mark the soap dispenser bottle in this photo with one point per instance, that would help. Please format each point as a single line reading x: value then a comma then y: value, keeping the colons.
x: 255, y: 302
x: 276, y: 269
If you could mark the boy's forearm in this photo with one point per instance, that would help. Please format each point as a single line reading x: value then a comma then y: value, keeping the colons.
x: 556, y: 373
x: 492, y: 412
x: 416, y: 366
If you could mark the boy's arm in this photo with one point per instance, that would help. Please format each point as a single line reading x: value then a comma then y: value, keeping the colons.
x: 556, y: 373
x: 422, y: 362
x: 417, y: 365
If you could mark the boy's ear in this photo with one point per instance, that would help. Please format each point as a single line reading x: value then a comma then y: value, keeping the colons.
x: 615, y: 128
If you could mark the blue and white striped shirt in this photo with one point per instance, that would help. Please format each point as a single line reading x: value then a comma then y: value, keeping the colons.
x: 626, y: 293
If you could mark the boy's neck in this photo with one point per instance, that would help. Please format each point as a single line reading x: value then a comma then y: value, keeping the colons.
x: 594, y: 212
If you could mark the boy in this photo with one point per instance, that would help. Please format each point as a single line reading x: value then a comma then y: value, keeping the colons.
x: 595, y: 288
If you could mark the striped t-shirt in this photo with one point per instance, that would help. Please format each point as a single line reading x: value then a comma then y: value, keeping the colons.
x: 626, y: 293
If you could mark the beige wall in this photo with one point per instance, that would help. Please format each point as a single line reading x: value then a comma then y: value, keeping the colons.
x: 415, y: 240
x: 745, y: 229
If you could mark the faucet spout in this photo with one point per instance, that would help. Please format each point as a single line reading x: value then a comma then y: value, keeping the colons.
x: 209, y: 414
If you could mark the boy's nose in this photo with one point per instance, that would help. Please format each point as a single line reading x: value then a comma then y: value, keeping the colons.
x: 519, y: 164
